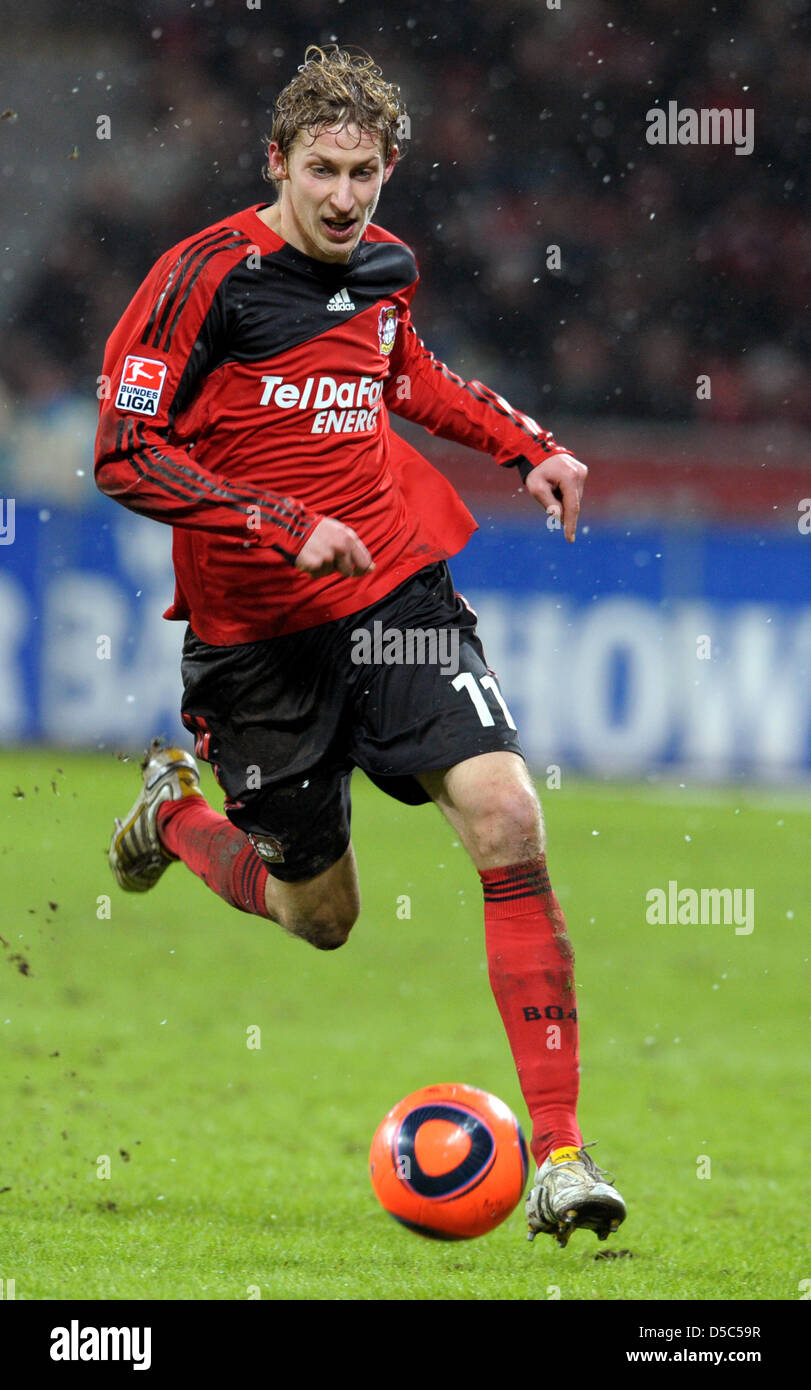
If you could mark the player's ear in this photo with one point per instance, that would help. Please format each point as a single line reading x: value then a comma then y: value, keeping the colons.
x: 277, y: 163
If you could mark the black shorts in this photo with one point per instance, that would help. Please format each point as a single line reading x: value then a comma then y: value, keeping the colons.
x: 401, y: 687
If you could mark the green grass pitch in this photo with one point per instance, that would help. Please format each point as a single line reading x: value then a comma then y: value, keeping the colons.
x: 240, y: 1172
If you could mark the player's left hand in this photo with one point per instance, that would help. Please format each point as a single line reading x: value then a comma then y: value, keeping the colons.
x: 558, y: 484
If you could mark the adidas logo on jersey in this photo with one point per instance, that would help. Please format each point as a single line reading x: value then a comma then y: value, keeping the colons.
x: 340, y: 301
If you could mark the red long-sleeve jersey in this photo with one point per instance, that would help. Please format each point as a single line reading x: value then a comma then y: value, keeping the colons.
x: 248, y: 390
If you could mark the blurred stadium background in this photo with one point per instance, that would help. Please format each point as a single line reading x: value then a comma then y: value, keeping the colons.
x: 528, y: 132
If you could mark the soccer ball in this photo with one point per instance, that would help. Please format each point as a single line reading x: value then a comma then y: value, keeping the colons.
x: 449, y: 1162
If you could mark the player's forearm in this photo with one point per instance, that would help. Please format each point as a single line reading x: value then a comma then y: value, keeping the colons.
x: 467, y: 412
x: 140, y: 470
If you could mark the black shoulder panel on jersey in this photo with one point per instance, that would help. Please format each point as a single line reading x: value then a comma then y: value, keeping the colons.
x: 185, y: 273
x: 288, y: 298
x: 207, y: 353
x: 383, y: 267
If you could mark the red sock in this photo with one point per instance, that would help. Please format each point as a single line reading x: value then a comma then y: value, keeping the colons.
x: 215, y: 850
x: 532, y: 975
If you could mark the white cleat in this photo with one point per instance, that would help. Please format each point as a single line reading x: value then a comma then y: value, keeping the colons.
x: 137, y: 857
x: 572, y: 1193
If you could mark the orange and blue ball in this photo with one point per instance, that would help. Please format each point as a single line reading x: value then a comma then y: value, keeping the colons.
x: 449, y: 1162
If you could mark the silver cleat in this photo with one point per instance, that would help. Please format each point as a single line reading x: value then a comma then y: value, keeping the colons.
x: 570, y: 1194
x: 137, y: 857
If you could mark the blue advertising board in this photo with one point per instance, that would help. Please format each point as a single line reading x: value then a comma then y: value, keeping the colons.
x: 638, y: 650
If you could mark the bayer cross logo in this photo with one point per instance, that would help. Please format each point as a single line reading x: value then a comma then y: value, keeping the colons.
x: 268, y: 848
x: 387, y: 328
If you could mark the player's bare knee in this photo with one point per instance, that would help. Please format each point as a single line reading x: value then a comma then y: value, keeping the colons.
x: 324, y: 936
x: 326, y: 930
x: 508, y: 825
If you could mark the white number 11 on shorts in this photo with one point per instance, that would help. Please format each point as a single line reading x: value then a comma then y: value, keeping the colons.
x: 467, y: 681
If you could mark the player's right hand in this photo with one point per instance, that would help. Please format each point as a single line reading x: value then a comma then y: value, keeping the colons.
x: 334, y: 549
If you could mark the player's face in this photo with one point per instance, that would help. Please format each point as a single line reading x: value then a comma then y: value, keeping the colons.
x: 329, y: 190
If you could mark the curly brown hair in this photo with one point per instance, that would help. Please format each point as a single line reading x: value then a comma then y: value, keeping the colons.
x: 334, y: 87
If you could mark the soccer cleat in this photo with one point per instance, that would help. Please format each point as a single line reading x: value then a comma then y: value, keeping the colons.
x: 570, y: 1192
x: 137, y: 857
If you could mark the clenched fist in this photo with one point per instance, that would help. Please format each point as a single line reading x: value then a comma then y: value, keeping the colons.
x: 334, y: 548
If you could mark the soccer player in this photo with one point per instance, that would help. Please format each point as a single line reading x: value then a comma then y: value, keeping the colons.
x: 251, y: 379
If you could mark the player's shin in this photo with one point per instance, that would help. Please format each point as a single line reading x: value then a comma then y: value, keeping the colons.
x: 216, y: 851
x: 531, y: 966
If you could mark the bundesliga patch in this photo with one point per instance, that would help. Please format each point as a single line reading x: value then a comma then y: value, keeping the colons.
x: 141, y: 385
x: 387, y: 328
